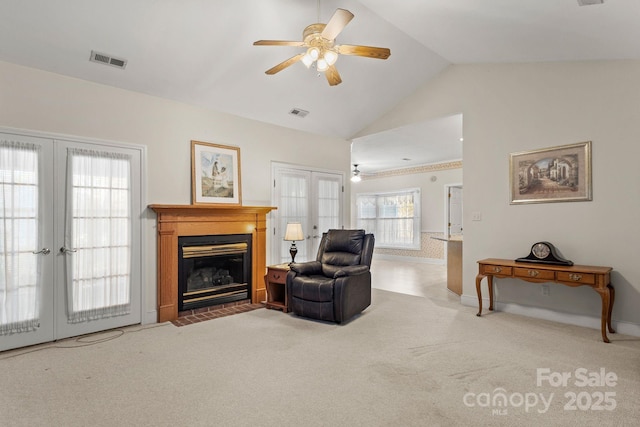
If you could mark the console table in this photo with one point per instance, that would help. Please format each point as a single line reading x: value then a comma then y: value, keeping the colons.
x: 599, y: 278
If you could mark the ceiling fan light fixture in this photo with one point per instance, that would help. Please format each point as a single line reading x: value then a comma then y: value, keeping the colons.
x: 314, y: 53
x: 319, y: 41
x: 356, y: 174
x: 307, y: 60
x: 330, y: 56
x: 322, y: 64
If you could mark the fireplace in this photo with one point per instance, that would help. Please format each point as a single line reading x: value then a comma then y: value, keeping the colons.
x: 176, y: 221
x: 213, y: 270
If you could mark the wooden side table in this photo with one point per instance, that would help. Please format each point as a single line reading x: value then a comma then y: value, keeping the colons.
x: 276, y: 283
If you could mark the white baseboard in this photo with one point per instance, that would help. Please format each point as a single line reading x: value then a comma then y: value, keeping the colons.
x: 621, y: 327
x: 150, y: 317
x: 418, y: 260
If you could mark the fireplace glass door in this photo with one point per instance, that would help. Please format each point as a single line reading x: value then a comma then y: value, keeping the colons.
x: 213, y: 270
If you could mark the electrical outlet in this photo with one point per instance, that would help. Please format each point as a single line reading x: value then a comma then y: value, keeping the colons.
x: 476, y: 216
x: 546, y: 290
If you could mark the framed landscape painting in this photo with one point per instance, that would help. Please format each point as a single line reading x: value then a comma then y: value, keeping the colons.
x: 556, y: 174
x: 215, y: 174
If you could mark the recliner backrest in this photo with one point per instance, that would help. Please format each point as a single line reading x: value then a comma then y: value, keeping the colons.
x: 345, y: 247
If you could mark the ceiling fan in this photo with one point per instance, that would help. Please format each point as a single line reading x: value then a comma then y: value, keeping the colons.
x: 320, y: 41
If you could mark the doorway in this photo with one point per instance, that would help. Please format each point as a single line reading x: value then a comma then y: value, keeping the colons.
x: 453, y: 209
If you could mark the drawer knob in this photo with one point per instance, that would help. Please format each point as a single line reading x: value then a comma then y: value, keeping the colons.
x: 575, y: 277
x: 533, y: 273
x: 276, y: 276
x: 497, y: 270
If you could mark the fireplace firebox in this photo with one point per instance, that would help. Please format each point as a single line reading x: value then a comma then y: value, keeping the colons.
x: 213, y: 270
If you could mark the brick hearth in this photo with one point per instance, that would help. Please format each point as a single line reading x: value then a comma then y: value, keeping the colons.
x: 189, y: 317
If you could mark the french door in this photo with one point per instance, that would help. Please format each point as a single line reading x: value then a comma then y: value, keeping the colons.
x: 313, y: 198
x: 69, y: 238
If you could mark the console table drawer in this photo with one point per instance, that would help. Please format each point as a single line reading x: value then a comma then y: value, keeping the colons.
x: 586, y: 278
x: 497, y: 269
x: 534, y: 273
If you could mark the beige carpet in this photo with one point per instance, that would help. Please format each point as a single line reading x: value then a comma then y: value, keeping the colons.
x: 406, y: 361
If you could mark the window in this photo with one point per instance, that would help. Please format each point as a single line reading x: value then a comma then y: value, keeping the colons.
x: 393, y: 217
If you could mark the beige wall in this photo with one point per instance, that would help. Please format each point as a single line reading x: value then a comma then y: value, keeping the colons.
x: 518, y: 107
x: 41, y: 101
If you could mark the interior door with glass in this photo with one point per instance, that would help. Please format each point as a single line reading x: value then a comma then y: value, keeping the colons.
x: 312, y: 198
x: 26, y: 241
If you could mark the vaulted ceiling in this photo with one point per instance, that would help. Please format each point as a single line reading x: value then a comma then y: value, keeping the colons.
x: 201, y: 51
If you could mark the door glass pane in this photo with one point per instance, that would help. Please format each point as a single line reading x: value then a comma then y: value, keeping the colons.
x: 293, y: 207
x: 328, y: 204
x: 20, y: 283
x: 98, y: 235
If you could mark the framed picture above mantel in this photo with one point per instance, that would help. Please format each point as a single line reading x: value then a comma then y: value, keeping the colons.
x: 556, y: 174
x: 215, y: 174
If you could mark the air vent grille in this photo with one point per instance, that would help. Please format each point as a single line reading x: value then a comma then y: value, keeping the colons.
x: 589, y: 2
x: 299, y: 112
x: 103, y: 58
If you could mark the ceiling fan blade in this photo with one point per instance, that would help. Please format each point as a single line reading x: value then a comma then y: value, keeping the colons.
x: 332, y: 75
x: 336, y: 24
x: 277, y: 43
x: 284, y: 64
x: 368, y: 51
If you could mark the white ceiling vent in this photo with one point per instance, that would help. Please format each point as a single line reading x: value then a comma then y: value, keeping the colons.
x: 103, y: 58
x: 589, y: 2
x: 299, y: 112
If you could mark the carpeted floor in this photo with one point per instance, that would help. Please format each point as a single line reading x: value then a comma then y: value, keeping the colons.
x: 406, y: 361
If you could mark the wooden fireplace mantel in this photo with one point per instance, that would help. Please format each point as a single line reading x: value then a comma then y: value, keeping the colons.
x: 199, y: 220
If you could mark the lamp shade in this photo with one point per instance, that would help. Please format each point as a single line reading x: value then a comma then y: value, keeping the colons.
x: 294, y: 232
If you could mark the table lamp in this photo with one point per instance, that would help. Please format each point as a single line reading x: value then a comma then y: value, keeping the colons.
x: 293, y: 233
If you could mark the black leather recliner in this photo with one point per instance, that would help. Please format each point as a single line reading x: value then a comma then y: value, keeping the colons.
x: 337, y: 285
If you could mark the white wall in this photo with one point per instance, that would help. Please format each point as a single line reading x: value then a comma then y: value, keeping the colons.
x: 519, y: 107
x: 41, y: 101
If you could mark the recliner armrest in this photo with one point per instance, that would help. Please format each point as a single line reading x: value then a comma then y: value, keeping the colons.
x: 350, y: 270
x: 307, y: 268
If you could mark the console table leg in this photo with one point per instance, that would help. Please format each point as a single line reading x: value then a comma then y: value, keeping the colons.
x: 605, y: 294
x: 479, y: 278
x: 490, y: 283
x: 612, y: 295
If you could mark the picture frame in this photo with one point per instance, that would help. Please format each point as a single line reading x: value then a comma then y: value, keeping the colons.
x: 555, y: 174
x: 215, y: 174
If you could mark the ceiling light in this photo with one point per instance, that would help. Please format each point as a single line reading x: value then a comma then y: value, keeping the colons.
x: 331, y: 57
x: 313, y: 53
x: 307, y: 60
x: 356, y: 174
x: 322, y: 65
